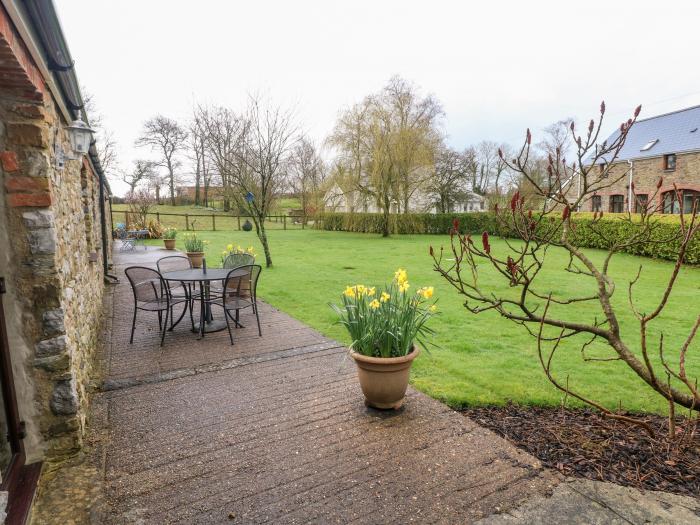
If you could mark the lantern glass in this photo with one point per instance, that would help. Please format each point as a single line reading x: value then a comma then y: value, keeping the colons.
x: 80, y: 137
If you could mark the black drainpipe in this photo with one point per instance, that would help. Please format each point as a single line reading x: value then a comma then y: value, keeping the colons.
x: 103, y: 220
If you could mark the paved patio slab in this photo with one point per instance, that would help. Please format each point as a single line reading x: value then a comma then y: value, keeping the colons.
x: 274, y: 430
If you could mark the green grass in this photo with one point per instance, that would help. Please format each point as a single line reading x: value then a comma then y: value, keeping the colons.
x: 482, y: 359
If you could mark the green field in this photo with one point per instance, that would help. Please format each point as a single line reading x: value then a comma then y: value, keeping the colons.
x: 482, y: 359
x: 199, y: 218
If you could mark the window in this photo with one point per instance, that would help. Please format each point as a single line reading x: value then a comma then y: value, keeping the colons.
x: 640, y: 203
x: 617, y: 203
x: 670, y: 162
x: 596, y: 203
x: 602, y: 167
x: 671, y: 203
x: 649, y: 145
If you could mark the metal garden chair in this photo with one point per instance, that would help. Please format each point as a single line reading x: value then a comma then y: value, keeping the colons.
x: 240, y: 291
x: 150, y: 295
x: 181, y: 290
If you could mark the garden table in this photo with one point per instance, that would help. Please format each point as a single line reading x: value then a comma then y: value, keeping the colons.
x: 207, y: 323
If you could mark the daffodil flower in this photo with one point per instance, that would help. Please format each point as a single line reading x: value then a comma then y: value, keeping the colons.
x: 384, y: 297
x: 374, y: 304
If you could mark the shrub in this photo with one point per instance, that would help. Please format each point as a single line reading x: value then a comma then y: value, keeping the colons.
x: 665, y: 233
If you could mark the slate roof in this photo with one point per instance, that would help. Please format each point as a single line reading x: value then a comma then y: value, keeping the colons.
x: 675, y: 132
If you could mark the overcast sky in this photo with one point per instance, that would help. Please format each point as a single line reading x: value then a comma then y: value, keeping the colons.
x: 496, y: 66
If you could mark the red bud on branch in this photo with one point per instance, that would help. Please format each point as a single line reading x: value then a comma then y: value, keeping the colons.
x: 602, y: 107
x: 572, y: 127
x: 514, y: 201
x: 637, y: 111
x: 591, y: 124
x: 659, y: 183
x: 565, y: 214
x: 500, y: 153
x: 485, y: 242
x: 432, y: 254
x: 528, y: 137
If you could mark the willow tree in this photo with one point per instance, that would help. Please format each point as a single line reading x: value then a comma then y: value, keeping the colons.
x: 389, y: 142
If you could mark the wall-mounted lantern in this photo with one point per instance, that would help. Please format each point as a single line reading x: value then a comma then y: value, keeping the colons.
x: 80, y: 137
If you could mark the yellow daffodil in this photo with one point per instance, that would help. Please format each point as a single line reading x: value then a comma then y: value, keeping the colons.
x: 371, y: 291
x: 374, y: 304
x: 360, y: 289
x: 433, y: 308
x: 384, y: 297
x: 349, y: 291
x: 224, y: 253
x: 229, y: 247
x: 426, y: 292
x: 403, y: 286
x: 401, y: 276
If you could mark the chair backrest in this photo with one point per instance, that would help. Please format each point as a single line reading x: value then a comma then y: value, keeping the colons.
x: 146, y: 283
x: 173, y: 263
x: 236, y: 260
x: 243, y: 281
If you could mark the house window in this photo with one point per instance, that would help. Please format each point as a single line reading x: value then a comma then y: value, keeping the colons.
x: 688, y: 198
x: 596, y: 203
x: 602, y: 169
x: 640, y: 203
x: 670, y: 162
x: 617, y: 203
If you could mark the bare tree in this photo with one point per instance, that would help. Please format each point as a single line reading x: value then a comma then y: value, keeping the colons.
x: 537, y: 304
x: 168, y: 138
x: 489, y: 170
x: 251, y: 152
x: 142, y: 171
x: 451, y: 181
x: 306, y: 175
x: 140, y: 203
x: 198, y: 155
x: 105, y: 143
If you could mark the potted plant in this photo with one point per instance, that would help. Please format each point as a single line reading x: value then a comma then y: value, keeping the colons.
x: 385, y: 327
x: 194, y: 248
x: 236, y: 250
x: 169, y: 238
x: 247, y: 225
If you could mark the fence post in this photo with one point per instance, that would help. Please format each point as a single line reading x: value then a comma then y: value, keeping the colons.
x: 187, y: 221
x: 284, y: 218
x: 239, y: 222
x: 158, y: 217
x: 213, y: 222
x: 303, y: 222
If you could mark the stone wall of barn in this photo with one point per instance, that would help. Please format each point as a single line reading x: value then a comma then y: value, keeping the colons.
x: 52, y: 222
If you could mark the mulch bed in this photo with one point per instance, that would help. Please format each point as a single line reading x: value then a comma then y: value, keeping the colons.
x: 581, y: 443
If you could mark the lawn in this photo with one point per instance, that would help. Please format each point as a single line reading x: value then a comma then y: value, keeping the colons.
x: 481, y: 359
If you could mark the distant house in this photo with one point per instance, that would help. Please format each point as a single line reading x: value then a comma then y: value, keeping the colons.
x: 338, y: 200
x: 665, y: 146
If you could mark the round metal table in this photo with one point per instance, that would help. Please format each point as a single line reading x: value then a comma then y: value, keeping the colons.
x: 207, y: 323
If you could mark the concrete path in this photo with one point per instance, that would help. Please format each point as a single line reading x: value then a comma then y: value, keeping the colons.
x: 274, y: 430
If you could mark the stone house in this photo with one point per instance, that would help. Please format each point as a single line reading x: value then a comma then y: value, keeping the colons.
x: 55, y: 253
x: 665, y: 147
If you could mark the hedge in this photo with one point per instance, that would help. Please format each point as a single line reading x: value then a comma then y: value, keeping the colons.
x: 611, y: 230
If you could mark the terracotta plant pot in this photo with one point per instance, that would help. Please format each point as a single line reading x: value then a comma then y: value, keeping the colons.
x: 169, y: 244
x: 196, y: 258
x: 384, y: 379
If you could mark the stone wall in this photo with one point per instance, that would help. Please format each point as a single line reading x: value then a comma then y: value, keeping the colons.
x: 646, y: 174
x: 53, y: 226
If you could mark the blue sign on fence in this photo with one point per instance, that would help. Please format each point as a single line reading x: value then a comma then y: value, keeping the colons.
x: 249, y: 197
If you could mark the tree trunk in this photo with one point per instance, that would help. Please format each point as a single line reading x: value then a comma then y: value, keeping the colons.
x: 260, y: 226
x: 158, y: 194
x: 171, y: 183
x: 385, y: 219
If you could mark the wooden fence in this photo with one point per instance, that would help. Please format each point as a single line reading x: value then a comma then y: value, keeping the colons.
x: 209, y: 222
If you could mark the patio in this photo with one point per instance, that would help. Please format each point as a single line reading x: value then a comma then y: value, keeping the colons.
x: 273, y: 429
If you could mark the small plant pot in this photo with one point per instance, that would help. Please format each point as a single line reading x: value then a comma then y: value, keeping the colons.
x: 196, y: 259
x: 169, y: 244
x: 247, y: 226
x: 384, y: 379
